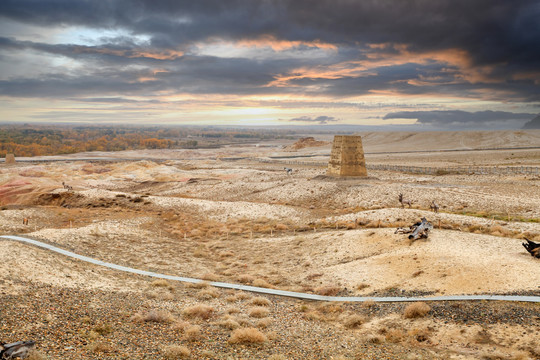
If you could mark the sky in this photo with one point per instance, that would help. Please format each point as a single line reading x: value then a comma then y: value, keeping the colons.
x: 444, y: 64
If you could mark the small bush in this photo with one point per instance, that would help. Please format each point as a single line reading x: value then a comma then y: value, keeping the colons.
x: 193, y: 333
x: 100, y: 347
x: 354, y: 321
x: 202, y: 311
x: 160, y: 283
x: 262, y: 283
x: 230, y: 324
x: 159, y: 316
x: 247, y: 336
x: 327, y: 290
x: 260, y: 301
x: 207, y: 294
x: 394, y: 335
x: 103, y: 329
x: 416, y: 310
x: 258, y: 312
x: 176, y: 352
x: 264, y: 323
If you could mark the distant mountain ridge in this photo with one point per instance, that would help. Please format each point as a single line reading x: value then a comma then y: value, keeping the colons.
x: 533, y: 124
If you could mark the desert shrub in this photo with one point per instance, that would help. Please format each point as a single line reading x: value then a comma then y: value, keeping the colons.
x: 258, y: 312
x: 416, y: 310
x: 159, y: 316
x: 483, y: 337
x: 100, y: 347
x: 160, y: 283
x: 262, y: 283
x: 327, y: 290
x: 229, y: 323
x: 207, y: 294
x: 247, y: 336
x: 394, y: 335
x: 246, y: 279
x: 260, y: 301
x: 233, y: 310
x: 210, y: 277
x: 362, y: 286
x: 368, y: 303
x: 200, y: 310
x: 419, y: 335
x: 199, y: 285
x: 354, y: 321
x: 243, y: 296
x: 264, y: 323
x: 176, y: 352
x: 180, y: 325
x: 192, y: 333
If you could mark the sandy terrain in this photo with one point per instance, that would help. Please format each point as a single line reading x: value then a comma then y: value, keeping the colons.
x: 246, y: 221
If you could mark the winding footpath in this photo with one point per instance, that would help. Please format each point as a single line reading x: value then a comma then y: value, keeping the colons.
x: 534, y: 299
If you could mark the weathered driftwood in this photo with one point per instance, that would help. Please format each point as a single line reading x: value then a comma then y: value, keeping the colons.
x: 16, y: 350
x: 419, y: 230
x: 404, y: 201
x: 532, y: 247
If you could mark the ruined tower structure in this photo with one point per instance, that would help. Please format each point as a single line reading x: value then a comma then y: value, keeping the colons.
x: 10, y: 159
x: 347, y: 157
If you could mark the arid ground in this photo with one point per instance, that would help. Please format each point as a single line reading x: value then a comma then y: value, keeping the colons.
x: 234, y: 215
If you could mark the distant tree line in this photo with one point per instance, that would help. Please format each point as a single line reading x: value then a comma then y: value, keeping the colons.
x: 37, y: 140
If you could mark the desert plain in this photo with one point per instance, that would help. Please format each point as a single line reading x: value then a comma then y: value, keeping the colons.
x: 233, y: 214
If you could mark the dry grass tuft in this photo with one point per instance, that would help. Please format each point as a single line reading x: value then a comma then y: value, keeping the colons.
x: 368, y: 304
x: 416, y: 310
x: 247, y: 336
x: 232, y: 310
x: 246, y: 279
x: 209, y: 293
x: 354, y: 321
x: 180, y: 325
x: 260, y: 301
x: 327, y: 290
x: 264, y: 323
x: 176, y: 352
x: 243, y: 296
x: 210, y: 277
x: 262, y: 283
x: 229, y: 323
x: 193, y: 333
x: 160, y: 283
x: 394, y: 336
x: 200, y: 310
x: 100, y: 347
x: 159, y: 316
x: 258, y: 312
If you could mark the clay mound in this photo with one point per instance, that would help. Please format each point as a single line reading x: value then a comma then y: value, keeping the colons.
x: 59, y: 199
x: 304, y: 143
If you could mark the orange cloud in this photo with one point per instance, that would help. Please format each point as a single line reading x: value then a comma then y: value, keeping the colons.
x: 281, y: 45
x: 150, y: 54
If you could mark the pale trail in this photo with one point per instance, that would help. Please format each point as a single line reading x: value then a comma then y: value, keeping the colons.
x: 297, y: 295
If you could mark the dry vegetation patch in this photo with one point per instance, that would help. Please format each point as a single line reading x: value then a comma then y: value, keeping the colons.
x: 200, y: 310
x: 416, y: 310
x: 247, y: 336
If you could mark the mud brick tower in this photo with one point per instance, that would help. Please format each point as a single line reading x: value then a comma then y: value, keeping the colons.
x: 347, y: 157
x: 10, y: 159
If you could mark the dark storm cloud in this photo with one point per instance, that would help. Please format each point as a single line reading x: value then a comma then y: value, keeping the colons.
x: 454, y: 118
x: 498, y: 42
x: 323, y: 119
x: 493, y: 31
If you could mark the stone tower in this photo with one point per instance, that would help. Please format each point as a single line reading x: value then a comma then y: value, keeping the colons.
x: 347, y: 157
x: 10, y: 159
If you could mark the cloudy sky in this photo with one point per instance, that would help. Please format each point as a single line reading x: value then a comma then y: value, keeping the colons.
x: 443, y: 63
